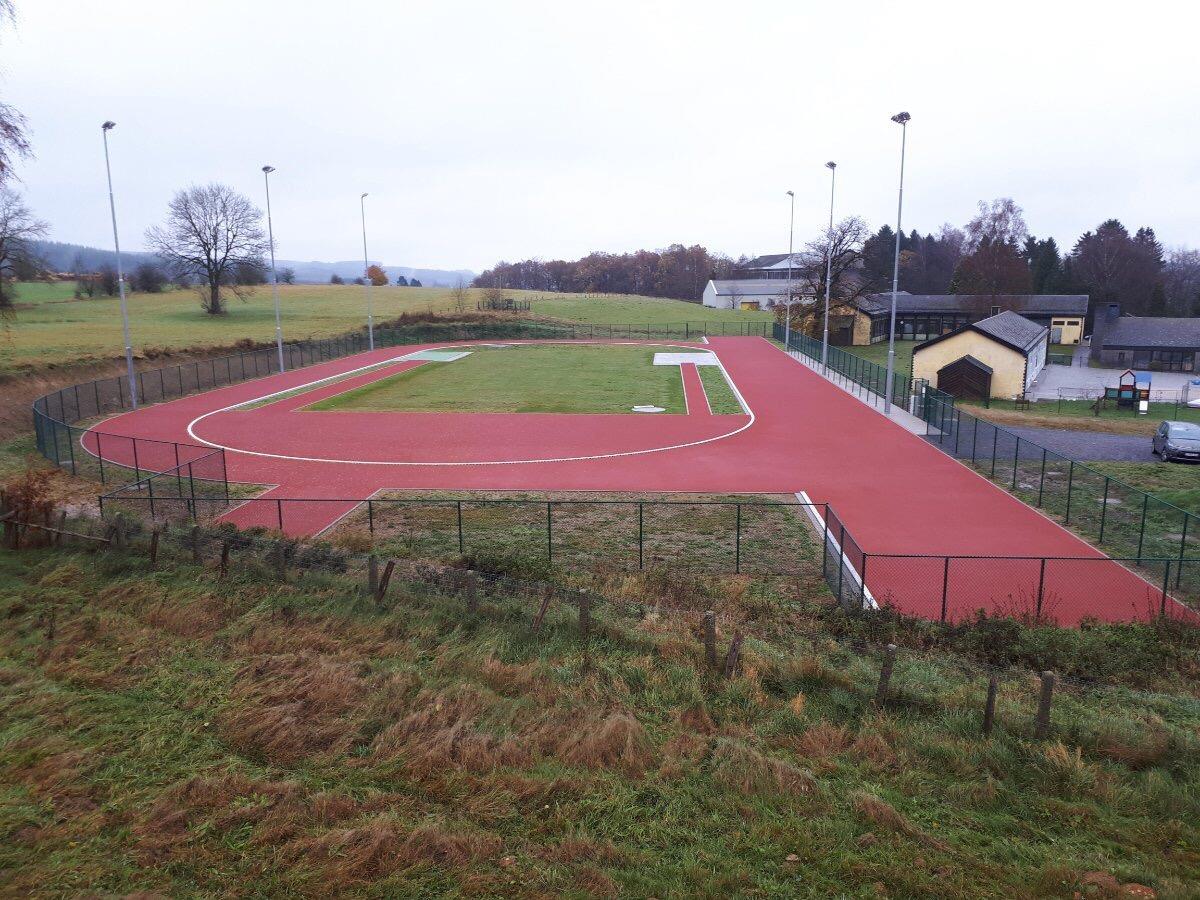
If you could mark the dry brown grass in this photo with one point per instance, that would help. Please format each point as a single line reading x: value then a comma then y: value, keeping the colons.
x: 382, y: 846
x: 823, y: 740
x: 1132, y: 425
x: 883, y: 815
x: 616, y: 741
x: 743, y: 769
x: 293, y: 705
x: 1138, y: 751
x: 695, y: 718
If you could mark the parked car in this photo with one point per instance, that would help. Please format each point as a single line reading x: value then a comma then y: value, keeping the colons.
x: 1177, y: 440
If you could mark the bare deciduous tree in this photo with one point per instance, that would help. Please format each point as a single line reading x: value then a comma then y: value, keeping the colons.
x: 14, y: 139
x: 842, y: 248
x: 211, y: 233
x: 18, y: 229
x: 459, y: 293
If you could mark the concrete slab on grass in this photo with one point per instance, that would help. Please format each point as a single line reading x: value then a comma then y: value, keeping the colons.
x: 678, y: 359
x: 437, y: 355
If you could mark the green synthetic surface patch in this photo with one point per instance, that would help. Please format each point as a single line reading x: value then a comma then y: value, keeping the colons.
x: 526, y: 379
x: 721, y: 399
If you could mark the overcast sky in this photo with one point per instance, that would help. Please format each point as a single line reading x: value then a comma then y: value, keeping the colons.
x: 505, y: 130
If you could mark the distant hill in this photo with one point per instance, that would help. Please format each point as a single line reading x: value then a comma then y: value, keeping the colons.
x: 67, y: 257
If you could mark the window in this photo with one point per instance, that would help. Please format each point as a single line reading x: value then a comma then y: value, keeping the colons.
x: 1121, y: 357
x: 995, y: 310
x: 1060, y: 322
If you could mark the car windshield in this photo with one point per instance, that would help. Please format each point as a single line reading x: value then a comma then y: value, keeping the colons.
x: 1185, y: 430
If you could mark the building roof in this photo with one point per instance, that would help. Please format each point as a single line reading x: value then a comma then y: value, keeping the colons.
x: 1140, y: 331
x: 750, y: 287
x: 770, y: 261
x: 1029, y: 304
x: 1007, y: 328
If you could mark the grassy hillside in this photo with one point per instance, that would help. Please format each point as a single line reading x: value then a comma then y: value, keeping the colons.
x: 52, y: 328
x: 166, y: 732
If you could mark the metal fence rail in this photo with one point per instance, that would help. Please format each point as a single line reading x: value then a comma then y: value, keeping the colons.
x: 869, y: 377
x: 1124, y: 521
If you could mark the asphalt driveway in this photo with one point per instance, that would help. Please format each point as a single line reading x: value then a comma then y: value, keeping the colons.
x: 1089, y: 445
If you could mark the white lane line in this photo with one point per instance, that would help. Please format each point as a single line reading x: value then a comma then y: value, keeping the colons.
x: 495, y: 462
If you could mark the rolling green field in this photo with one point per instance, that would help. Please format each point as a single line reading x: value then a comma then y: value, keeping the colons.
x: 556, y: 379
x: 52, y: 328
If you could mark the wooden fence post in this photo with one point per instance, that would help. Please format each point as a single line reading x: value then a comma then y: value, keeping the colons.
x: 62, y: 527
x: 154, y: 548
x: 585, y: 614
x: 224, y: 558
x: 989, y: 706
x: 885, y: 674
x: 472, y: 592
x: 196, y: 544
x: 731, y: 658
x: 280, y: 554
x: 383, y: 582
x: 1041, y: 724
x: 373, y: 575
x: 710, y: 638
x: 543, y: 609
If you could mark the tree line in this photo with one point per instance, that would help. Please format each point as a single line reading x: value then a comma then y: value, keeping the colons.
x: 994, y: 253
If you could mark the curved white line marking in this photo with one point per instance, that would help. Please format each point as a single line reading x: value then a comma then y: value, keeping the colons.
x: 495, y: 462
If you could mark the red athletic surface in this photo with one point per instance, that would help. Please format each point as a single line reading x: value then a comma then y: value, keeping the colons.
x: 895, y: 493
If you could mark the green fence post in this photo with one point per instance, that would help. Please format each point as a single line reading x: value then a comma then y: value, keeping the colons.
x: 1070, y: 484
x: 1042, y: 478
x: 370, y: 516
x: 995, y: 442
x: 737, y: 542
x: 1162, y: 610
x: 641, y: 556
x: 974, y: 439
x: 1142, y: 531
x: 1041, y: 586
x: 150, y: 489
x: 825, y: 540
x: 460, y: 529
x: 1016, y: 461
x: 1182, y: 543
x: 71, y: 447
x: 1103, y: 510
x: 549, y: 535
x: 945, y: 586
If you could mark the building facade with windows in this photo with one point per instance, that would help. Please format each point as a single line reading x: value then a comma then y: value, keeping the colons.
x: 921, y: 317
x: 1162, y: 344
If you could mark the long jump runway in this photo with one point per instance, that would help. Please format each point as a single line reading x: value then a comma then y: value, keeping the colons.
x: 895, y: 493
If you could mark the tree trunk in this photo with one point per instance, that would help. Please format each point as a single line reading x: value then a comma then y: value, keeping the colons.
x: 213, y: 306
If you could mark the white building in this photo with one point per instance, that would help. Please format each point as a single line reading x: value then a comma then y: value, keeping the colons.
x: 745, y: 293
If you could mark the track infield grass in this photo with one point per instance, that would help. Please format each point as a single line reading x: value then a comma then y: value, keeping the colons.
x: 525, y: 379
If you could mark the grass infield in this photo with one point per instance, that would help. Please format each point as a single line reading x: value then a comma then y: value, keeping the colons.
x: 520, y: 379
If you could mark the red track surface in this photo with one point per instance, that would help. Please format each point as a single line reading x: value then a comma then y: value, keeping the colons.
x: 895, y: 493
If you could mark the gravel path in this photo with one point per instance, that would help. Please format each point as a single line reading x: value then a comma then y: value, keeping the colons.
x: 1089, y: 445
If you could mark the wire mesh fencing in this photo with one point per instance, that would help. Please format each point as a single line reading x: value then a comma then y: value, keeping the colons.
x: 1124, y: 521
x: 864, y: 377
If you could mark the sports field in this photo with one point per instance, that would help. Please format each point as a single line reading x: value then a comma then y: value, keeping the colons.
x: 899, y: 501
x: 525, y: 379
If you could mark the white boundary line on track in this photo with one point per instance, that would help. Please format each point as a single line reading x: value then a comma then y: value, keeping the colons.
x: 818, y: 522
x: 496, y: 462
x: 1156, y: 588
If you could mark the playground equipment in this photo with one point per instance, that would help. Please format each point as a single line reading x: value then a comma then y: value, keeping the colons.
x: 1132, y: 392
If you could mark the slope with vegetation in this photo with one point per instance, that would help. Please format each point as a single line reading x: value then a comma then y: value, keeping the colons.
x: 168, y: 730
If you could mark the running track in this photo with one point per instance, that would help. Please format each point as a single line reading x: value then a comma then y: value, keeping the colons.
x: 895, y: 493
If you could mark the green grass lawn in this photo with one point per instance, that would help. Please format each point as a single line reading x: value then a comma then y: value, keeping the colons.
x: 877, y: 353
x: 721, y: 399
x: 558, y: 379
x: 1177, y: 483
x: 620, y: 310
x: 52, y: 328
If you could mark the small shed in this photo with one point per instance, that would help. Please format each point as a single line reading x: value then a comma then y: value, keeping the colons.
x: 1001, y: 355
x: 966, y: 378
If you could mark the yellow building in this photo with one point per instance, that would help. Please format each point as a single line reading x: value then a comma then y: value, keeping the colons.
x: 997, y: 357
x: 920, y: 317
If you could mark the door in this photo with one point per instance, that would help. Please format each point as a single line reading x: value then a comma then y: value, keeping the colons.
x: 1056, y: 335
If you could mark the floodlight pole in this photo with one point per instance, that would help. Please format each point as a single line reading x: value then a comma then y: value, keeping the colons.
x: 366, y: 276
x: 112, y: 205
x: 832, y: 167
x: 900, y: 119
x: 267, y: 170
x: 787, y: 328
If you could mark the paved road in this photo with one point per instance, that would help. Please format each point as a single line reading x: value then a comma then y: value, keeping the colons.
x: 1089, y: 445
